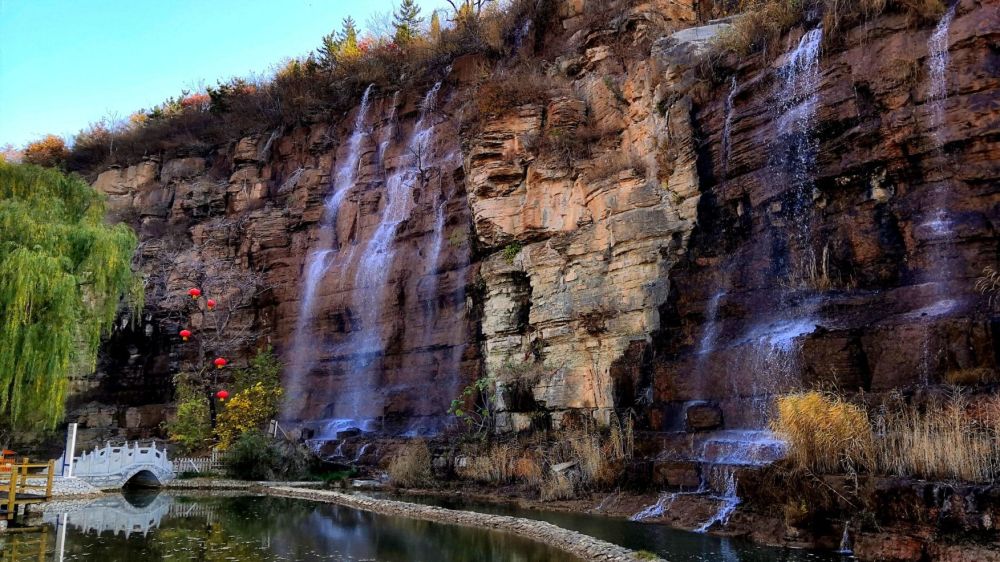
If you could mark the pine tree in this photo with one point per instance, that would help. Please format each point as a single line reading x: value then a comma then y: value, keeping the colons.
x: 63, y: 272
x: 329, y: 49
x: 349, y: 39
x: 435, y: 26
x: 407, y: 21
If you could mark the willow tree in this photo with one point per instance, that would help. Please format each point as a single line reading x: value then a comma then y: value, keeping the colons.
x: 63, y: 273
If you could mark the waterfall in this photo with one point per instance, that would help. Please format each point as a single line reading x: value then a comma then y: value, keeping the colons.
x: 796, y: 141
x: 729, y: 500
x: 711, y: 332
x: 938, y: 58
x: 376, y: 260
x: 657, y: 509
x: 845, y: 540
x: 390, y: 130
x: 319, y: 260
x: 727, y: 127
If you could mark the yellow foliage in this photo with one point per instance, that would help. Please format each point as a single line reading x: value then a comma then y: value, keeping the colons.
x: 825, y: 432
x: 247, y: 410
x: 49, y: 151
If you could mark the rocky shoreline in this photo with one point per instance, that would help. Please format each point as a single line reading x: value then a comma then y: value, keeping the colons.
x: 578, y: 544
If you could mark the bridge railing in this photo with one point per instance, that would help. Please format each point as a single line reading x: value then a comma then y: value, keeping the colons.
x: 114, y: 458
x: 26, y: 482
x: 216, y: 460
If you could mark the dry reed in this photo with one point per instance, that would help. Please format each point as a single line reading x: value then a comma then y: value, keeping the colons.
x: 411, y: 466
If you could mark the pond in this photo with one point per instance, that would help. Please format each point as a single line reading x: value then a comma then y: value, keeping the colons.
x: 252, y: 528
x: 671, y: 544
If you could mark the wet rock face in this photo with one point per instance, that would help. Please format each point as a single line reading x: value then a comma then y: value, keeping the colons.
x: 867, y: 281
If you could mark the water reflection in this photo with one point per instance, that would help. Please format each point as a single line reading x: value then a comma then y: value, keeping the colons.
x: 671, y: 544
x: 251, y: 528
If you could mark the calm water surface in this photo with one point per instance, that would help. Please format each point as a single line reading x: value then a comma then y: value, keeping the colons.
x: 252, y: 528
x: 672, y: 544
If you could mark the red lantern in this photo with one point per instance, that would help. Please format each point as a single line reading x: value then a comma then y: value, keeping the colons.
x: 210, y: 303
x: 222, y: 395
x: 194, y: 292
x: 185, y: 334
x: 220, y: 362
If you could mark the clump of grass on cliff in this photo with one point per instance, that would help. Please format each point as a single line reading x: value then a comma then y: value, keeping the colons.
x: 946, y: 438
x: 760, y: 24
x: 825, y: 433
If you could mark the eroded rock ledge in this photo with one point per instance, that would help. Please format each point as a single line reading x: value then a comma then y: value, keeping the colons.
x: 582, y: 546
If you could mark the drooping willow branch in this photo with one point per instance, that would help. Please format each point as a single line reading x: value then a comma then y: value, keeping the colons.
x: 63, y: 273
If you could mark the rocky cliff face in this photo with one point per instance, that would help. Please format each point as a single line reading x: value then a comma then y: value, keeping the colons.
x: 647, y: 237
x: 843, y: 253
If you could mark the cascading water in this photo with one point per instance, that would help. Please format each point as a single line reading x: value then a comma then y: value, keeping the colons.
x: 938, y: 59
x: 936, y: 230
x: 727, y: 127
x: 845, y: 540
x: 729, y: 500
x: 796, y: 141
x: 319, y: 260
x: 359, y: 403
x: 389, y: 132
x: 769, y: 365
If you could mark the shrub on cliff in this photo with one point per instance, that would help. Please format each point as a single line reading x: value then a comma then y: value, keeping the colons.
x: 191, y: 427
x: 761, y: 23
x: 317, y: 87
x: 255, y: 456
x: 947, y: 437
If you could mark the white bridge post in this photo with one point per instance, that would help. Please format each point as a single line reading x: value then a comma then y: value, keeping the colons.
x: 70, y: 452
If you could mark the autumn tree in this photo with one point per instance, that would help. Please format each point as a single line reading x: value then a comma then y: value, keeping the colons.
x: 49, y: 151
x: 435, y: 31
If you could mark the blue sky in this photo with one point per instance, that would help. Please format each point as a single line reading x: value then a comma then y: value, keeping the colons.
x: 65, y: 64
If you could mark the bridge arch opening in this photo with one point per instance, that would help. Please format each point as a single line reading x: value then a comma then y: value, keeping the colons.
x: 142, y: 479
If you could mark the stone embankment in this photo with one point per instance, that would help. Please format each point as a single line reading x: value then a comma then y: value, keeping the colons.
x: 572, y: 542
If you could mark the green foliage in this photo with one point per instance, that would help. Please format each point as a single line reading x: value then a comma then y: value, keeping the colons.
x: 255, y: 456
x: 264, y: 368
x: 407, y: 22
x: 511, y: 251
x: 191, y: 428
x: 476, y: 406
x: 63, y: 273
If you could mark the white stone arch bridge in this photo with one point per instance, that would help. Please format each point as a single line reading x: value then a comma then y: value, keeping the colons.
x: 113, y: 466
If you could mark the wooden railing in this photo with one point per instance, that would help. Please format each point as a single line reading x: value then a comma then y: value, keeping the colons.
x: 25, y: 483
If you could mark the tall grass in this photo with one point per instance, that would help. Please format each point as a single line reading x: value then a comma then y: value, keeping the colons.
x: 946, y: 438
x: 943, y: 440
x: 411, y: 466
x: 825, y: 433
